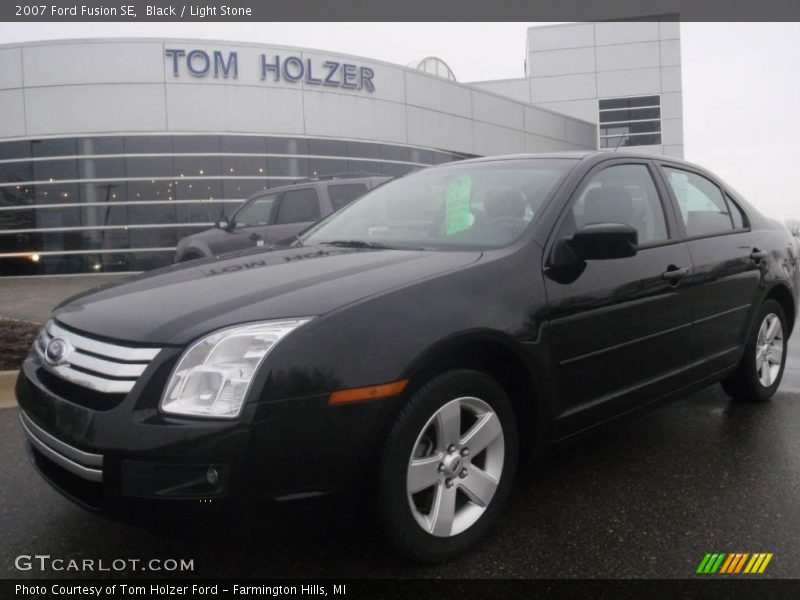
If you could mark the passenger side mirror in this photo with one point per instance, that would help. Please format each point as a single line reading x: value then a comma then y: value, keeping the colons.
x: 596, y: 241
x: 600, y: 241
x: 223, y: 223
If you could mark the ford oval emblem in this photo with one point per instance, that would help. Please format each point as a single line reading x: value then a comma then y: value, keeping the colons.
x: 57, y: 351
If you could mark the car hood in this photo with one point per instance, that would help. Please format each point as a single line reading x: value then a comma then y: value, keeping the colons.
x: 179, y: 303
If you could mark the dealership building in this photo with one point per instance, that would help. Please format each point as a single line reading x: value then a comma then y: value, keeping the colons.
x: 111, y: 150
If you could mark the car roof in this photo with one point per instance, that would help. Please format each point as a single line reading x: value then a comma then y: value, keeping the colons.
x: 593, y: 155
x: 312, y: 181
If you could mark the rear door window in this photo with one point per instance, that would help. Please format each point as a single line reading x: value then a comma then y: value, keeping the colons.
x: 298, y: 206
x: 702, y: 204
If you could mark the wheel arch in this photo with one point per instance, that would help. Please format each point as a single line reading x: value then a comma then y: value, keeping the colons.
x: 781, y: 293
x: 499, y: 356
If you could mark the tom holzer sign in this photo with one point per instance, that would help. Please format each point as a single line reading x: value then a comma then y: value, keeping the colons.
x: 215, y: 63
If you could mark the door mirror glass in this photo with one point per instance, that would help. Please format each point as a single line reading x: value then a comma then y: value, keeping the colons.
x: 601, y: 241
x: 223, y: 223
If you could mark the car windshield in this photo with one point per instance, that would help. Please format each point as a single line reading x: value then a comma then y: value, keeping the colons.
x: 459, y: 206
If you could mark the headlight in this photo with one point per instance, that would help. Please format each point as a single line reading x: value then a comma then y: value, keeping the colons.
x: 214, y: 374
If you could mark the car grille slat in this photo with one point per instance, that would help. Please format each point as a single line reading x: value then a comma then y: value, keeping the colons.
x: 100, y: 366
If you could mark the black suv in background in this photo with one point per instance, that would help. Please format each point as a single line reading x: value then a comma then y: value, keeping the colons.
x: 277, y: 214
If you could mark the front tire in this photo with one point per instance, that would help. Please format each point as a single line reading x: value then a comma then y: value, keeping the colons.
x: 447, y: 466
x: 760, y: 371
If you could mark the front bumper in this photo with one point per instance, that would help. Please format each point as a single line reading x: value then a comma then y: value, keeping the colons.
x: 105, y: 455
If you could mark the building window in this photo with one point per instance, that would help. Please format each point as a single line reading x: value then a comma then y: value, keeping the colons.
x: 632, y: 121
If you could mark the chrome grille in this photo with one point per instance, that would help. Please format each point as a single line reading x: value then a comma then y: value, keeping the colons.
x: 100, y: 366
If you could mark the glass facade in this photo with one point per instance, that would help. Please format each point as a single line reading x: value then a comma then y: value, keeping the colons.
x: 630, y: 121
x: 121, y: 203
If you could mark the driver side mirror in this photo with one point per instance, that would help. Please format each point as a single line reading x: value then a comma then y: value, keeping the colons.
x: 597, y: 241
x: 223, y: 223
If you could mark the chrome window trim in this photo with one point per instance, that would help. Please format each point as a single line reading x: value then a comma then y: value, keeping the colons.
x: 120, y: 203
x: 105, y: 227
x: 29, y: 253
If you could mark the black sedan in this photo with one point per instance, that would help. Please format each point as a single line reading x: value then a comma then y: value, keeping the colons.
x: 410, y: 347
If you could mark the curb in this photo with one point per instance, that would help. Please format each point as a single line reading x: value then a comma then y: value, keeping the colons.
x: 7, y: 397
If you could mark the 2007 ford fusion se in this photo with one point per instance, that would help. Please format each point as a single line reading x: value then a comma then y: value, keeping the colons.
x: 412, y: 345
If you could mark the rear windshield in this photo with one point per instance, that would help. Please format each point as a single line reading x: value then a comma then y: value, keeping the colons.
x: 471, y: 205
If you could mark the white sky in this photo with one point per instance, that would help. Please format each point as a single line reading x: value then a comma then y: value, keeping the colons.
x: 741, y: 88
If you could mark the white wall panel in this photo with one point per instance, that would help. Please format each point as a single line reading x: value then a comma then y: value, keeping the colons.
x: 617, y: 57
x: 197, y: 107
x: 628, y: 83
x: 338, y: 115
x: 625, y: 32
x: 439, y: 130
x: 499, y: 111
x: 565, y: 87
x: 560, y: 37
x: 95, y: 108
x: 561, y: 62
x: 427, y: 91
x: 490, y: 140
x: 518, y: 89
x: 10, y: 68
x: 93, y: 62
x: 12, y: 107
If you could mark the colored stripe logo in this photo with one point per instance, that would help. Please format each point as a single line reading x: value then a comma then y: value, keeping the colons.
x: 734, y: 562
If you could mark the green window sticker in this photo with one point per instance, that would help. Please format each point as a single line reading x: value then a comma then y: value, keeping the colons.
x: 457, y: 212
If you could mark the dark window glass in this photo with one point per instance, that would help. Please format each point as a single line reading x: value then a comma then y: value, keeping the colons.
x: 327, y: 166
x: 239, y: 189
x: 363, y: 150
x: 609, y: 116
x: 16, y: 195
x: 630, y: 102
x: 631, y: 140
x: 101, y: 145
x: 148, y: 144
x: 395, y: 153
x: 110, y: 191
x: 16, y: 171
x: 626, y: 128
x: 298, y: 206
x: 160, y: 166
x: 280, y: 145
x: 54, y: 147
x: 195, y: 143
x: 256, y: 213
x: 57, y: 193
x: 739, y: 220
x: 327, y: 147
x: 622, y: 194
x: 198, y: 166
x: 151, y: 190
x: 287, y: 167
x: 363, y: 166
x: 105, y: 168
x: 440, y: 158
x: 421, y: 156
x: 249, y: 144
x: 703, y: 208
x: 161, y: 237
x: 45, y: 170
x: 152, y: 213
x: 17, y: 219
x: 15, y: 150
x: 244, y: 166
x: 342, y: 194
x: 109, y: 214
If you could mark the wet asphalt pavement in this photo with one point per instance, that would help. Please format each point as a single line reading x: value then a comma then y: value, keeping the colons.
x: 645, y: 498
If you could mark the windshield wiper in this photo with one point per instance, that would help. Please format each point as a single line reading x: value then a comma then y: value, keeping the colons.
x: 360, y: 244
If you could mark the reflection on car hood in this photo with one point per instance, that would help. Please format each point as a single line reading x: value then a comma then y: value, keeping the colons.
x: 179, y: 303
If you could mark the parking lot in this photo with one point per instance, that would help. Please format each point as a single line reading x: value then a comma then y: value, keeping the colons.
x: 646, y: 498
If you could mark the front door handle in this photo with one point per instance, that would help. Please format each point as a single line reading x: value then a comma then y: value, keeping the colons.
x: 255, y: 237
x: 674, y: 274
x: 758, y: 255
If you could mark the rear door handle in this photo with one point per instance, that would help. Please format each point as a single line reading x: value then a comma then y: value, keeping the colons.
x: 758, y: 255
x: 674, y: 274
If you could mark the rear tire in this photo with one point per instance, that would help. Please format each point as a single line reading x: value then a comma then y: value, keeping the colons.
x: 447, y: 466
x: 760, y: 371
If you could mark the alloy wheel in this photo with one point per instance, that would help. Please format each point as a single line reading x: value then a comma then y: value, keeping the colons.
x: 769, y: 350
x: 455, y: 466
